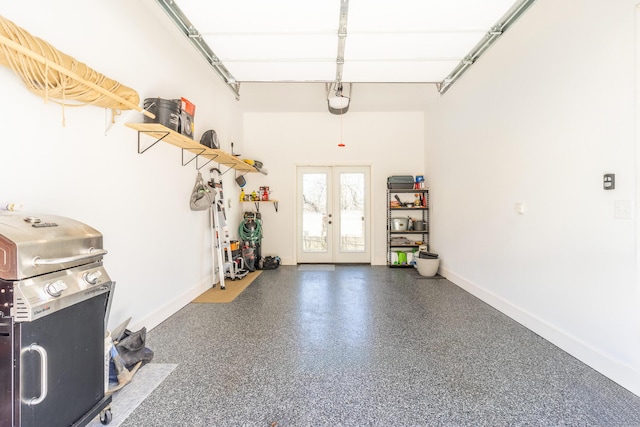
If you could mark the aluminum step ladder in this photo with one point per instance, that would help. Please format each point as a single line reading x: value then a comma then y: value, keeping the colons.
x: 222, y: 255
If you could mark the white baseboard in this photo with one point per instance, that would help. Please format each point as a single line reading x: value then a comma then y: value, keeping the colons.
x: 624, y: 375
x: 163, y: 313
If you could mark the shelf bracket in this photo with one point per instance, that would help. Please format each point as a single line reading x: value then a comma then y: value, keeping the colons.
x: 228, y: 169
x: 206, y: 163
x: 157, y: 140
x: 257, y: 203
x: 195, y: 157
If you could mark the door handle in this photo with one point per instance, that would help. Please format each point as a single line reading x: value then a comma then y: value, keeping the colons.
x: 43, y: 374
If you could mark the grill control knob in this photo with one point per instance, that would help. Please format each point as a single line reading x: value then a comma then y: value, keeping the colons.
x: 92, y: 277
x: 56, y: 288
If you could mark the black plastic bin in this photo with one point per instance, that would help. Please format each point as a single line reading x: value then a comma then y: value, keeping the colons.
x: 400, y: 182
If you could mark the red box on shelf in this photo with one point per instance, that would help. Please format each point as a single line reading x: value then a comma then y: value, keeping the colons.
x: 188, y: 112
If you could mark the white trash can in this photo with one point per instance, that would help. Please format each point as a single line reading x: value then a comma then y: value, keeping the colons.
x: 427, y: 267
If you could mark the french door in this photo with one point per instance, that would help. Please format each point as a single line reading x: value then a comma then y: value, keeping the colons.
x: 333, y: 214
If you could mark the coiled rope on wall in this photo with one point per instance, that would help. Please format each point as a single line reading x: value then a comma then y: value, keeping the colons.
x: 58, y: 77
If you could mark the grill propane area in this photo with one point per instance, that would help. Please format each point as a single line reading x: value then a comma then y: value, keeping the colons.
x: 54, y: 302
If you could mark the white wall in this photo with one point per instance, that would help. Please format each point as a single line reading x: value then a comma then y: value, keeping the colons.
x: 392, y: 143
x: 538, y: 120
x: 158, y: 248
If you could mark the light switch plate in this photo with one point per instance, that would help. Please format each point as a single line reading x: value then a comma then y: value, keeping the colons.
x: 609, y: 181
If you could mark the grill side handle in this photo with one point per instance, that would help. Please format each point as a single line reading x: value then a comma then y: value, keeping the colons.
x: 44, y: 375
x: 92, y: 254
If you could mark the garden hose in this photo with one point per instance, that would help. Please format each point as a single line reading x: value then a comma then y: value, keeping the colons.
x: 249, y: 233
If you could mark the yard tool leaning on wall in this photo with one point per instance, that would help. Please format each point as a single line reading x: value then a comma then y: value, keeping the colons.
x: 36, y: 62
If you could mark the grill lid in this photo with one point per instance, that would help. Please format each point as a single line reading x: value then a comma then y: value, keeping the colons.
x: 38, y: 244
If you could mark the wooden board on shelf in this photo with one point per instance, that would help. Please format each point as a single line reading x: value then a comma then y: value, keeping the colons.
x: 172, y: 137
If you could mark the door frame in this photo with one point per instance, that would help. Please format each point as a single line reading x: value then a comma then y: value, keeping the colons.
x: 334, y: 255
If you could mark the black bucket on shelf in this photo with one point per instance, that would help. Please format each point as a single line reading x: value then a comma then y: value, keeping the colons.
x: 167, y: 112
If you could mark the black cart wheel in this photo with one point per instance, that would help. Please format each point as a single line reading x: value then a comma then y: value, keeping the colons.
x: 106, y: 416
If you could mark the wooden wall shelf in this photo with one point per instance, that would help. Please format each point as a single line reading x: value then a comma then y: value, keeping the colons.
x: 257, y: 203
x: 163, y: 133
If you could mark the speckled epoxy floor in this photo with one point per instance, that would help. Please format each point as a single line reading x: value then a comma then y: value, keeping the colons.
x: 367, y: 346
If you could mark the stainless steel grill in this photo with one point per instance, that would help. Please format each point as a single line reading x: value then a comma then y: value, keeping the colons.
x: 54, y: 297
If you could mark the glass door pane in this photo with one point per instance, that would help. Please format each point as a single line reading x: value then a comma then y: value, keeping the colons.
x: 352, y: 212
x: 314, y: 212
